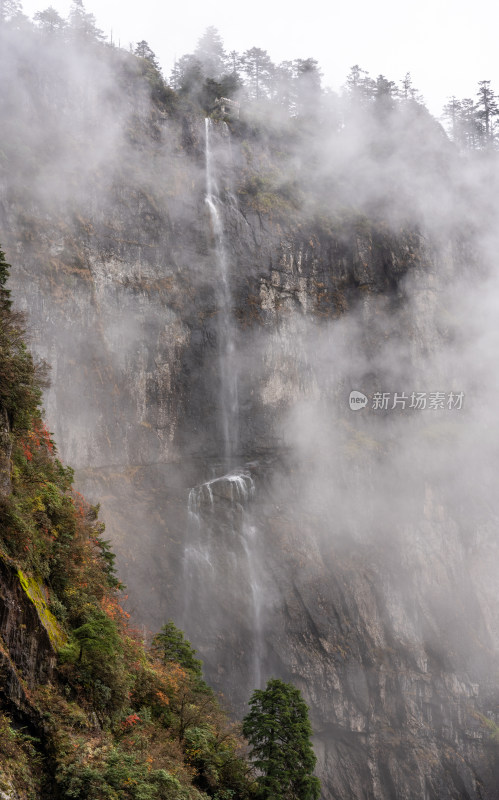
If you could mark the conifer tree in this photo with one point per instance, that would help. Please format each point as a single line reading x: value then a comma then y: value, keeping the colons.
x: 259, y: 69
x: 170, y: 644
x: 359, y: 86
x: 279, y: 731
x: 210, y: 53
x: 142, y: 50
x: 487, y: 110
x: 308, y: 86
x: 50, y: 21
x: 82, y: 24
x: 452, y: 113
x: 10, y: 9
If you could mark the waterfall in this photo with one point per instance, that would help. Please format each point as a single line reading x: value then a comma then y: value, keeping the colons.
x: 222, y: 564
x: 222, y: 553
x: 251, y: 549
x: 228, y: 395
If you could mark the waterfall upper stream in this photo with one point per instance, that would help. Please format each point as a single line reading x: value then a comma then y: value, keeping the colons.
x: 228, y: 392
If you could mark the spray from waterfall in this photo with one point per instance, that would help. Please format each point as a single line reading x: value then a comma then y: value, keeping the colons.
x: 223, y: 545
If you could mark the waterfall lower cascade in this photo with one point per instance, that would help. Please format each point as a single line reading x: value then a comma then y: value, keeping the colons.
x: 222, y: 562
x: 236, y: 488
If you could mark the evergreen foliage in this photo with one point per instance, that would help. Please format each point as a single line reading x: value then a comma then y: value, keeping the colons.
x: 82, y: 25
x: 210, y: 54
x: 50, y: 21
x: 142, y: 50
x: 279, y: 731
x: 170, y: 645
x: 253, y: 79
x: 20, y: 379
x: 161, y: 94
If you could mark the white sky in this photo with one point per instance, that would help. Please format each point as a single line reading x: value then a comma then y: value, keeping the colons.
x: 446, y: 45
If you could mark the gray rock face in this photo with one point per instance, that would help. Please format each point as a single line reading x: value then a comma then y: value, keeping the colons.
x: 328, y: 549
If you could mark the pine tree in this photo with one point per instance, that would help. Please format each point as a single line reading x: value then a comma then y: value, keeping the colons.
x: 279, y: 731
x: 10, y: 9
x: 308, y: 86
x: 142, y: 50
x: 210, y: 53
x: 50, y: 21
x: 82, y: 24
x: 487, y: 110
x: 469, y: 124
x: 257, y: 65
x: 187, y: 75
x: 452, y: 113
x: 385, y: 93
x: 284, y: 86
x: 171, y: 645
x: 360, y: 86
x: 407, y: 92
x: 19, y: 388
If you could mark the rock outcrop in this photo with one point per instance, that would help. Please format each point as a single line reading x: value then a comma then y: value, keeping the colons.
x: 29, y: 636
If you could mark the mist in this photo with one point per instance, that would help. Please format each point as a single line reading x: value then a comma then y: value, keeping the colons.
x: 208, y: 295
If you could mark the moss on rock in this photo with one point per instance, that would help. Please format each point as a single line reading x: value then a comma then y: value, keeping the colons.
x: 34, y: 589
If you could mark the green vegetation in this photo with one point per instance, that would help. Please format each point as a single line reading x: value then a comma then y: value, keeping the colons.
x: 19, y: 391
x: 20, y: 763
x: 161, y: 94
x: 278, y: 730
x: 34, y: 590
x: 118, y: 721
x: 170, y: 646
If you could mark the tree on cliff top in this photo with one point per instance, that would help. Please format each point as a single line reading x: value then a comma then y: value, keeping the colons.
x: 279, y: 731
x: 82, y: 25
x: 210, y: 53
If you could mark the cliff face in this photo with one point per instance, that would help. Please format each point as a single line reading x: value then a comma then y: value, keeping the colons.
x: 29, y: 637
x: 394, y: 704
x: 289, y: 535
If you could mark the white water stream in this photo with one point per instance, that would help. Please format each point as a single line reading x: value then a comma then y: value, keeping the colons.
x: 222, y: 536
x: 228, y: 395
